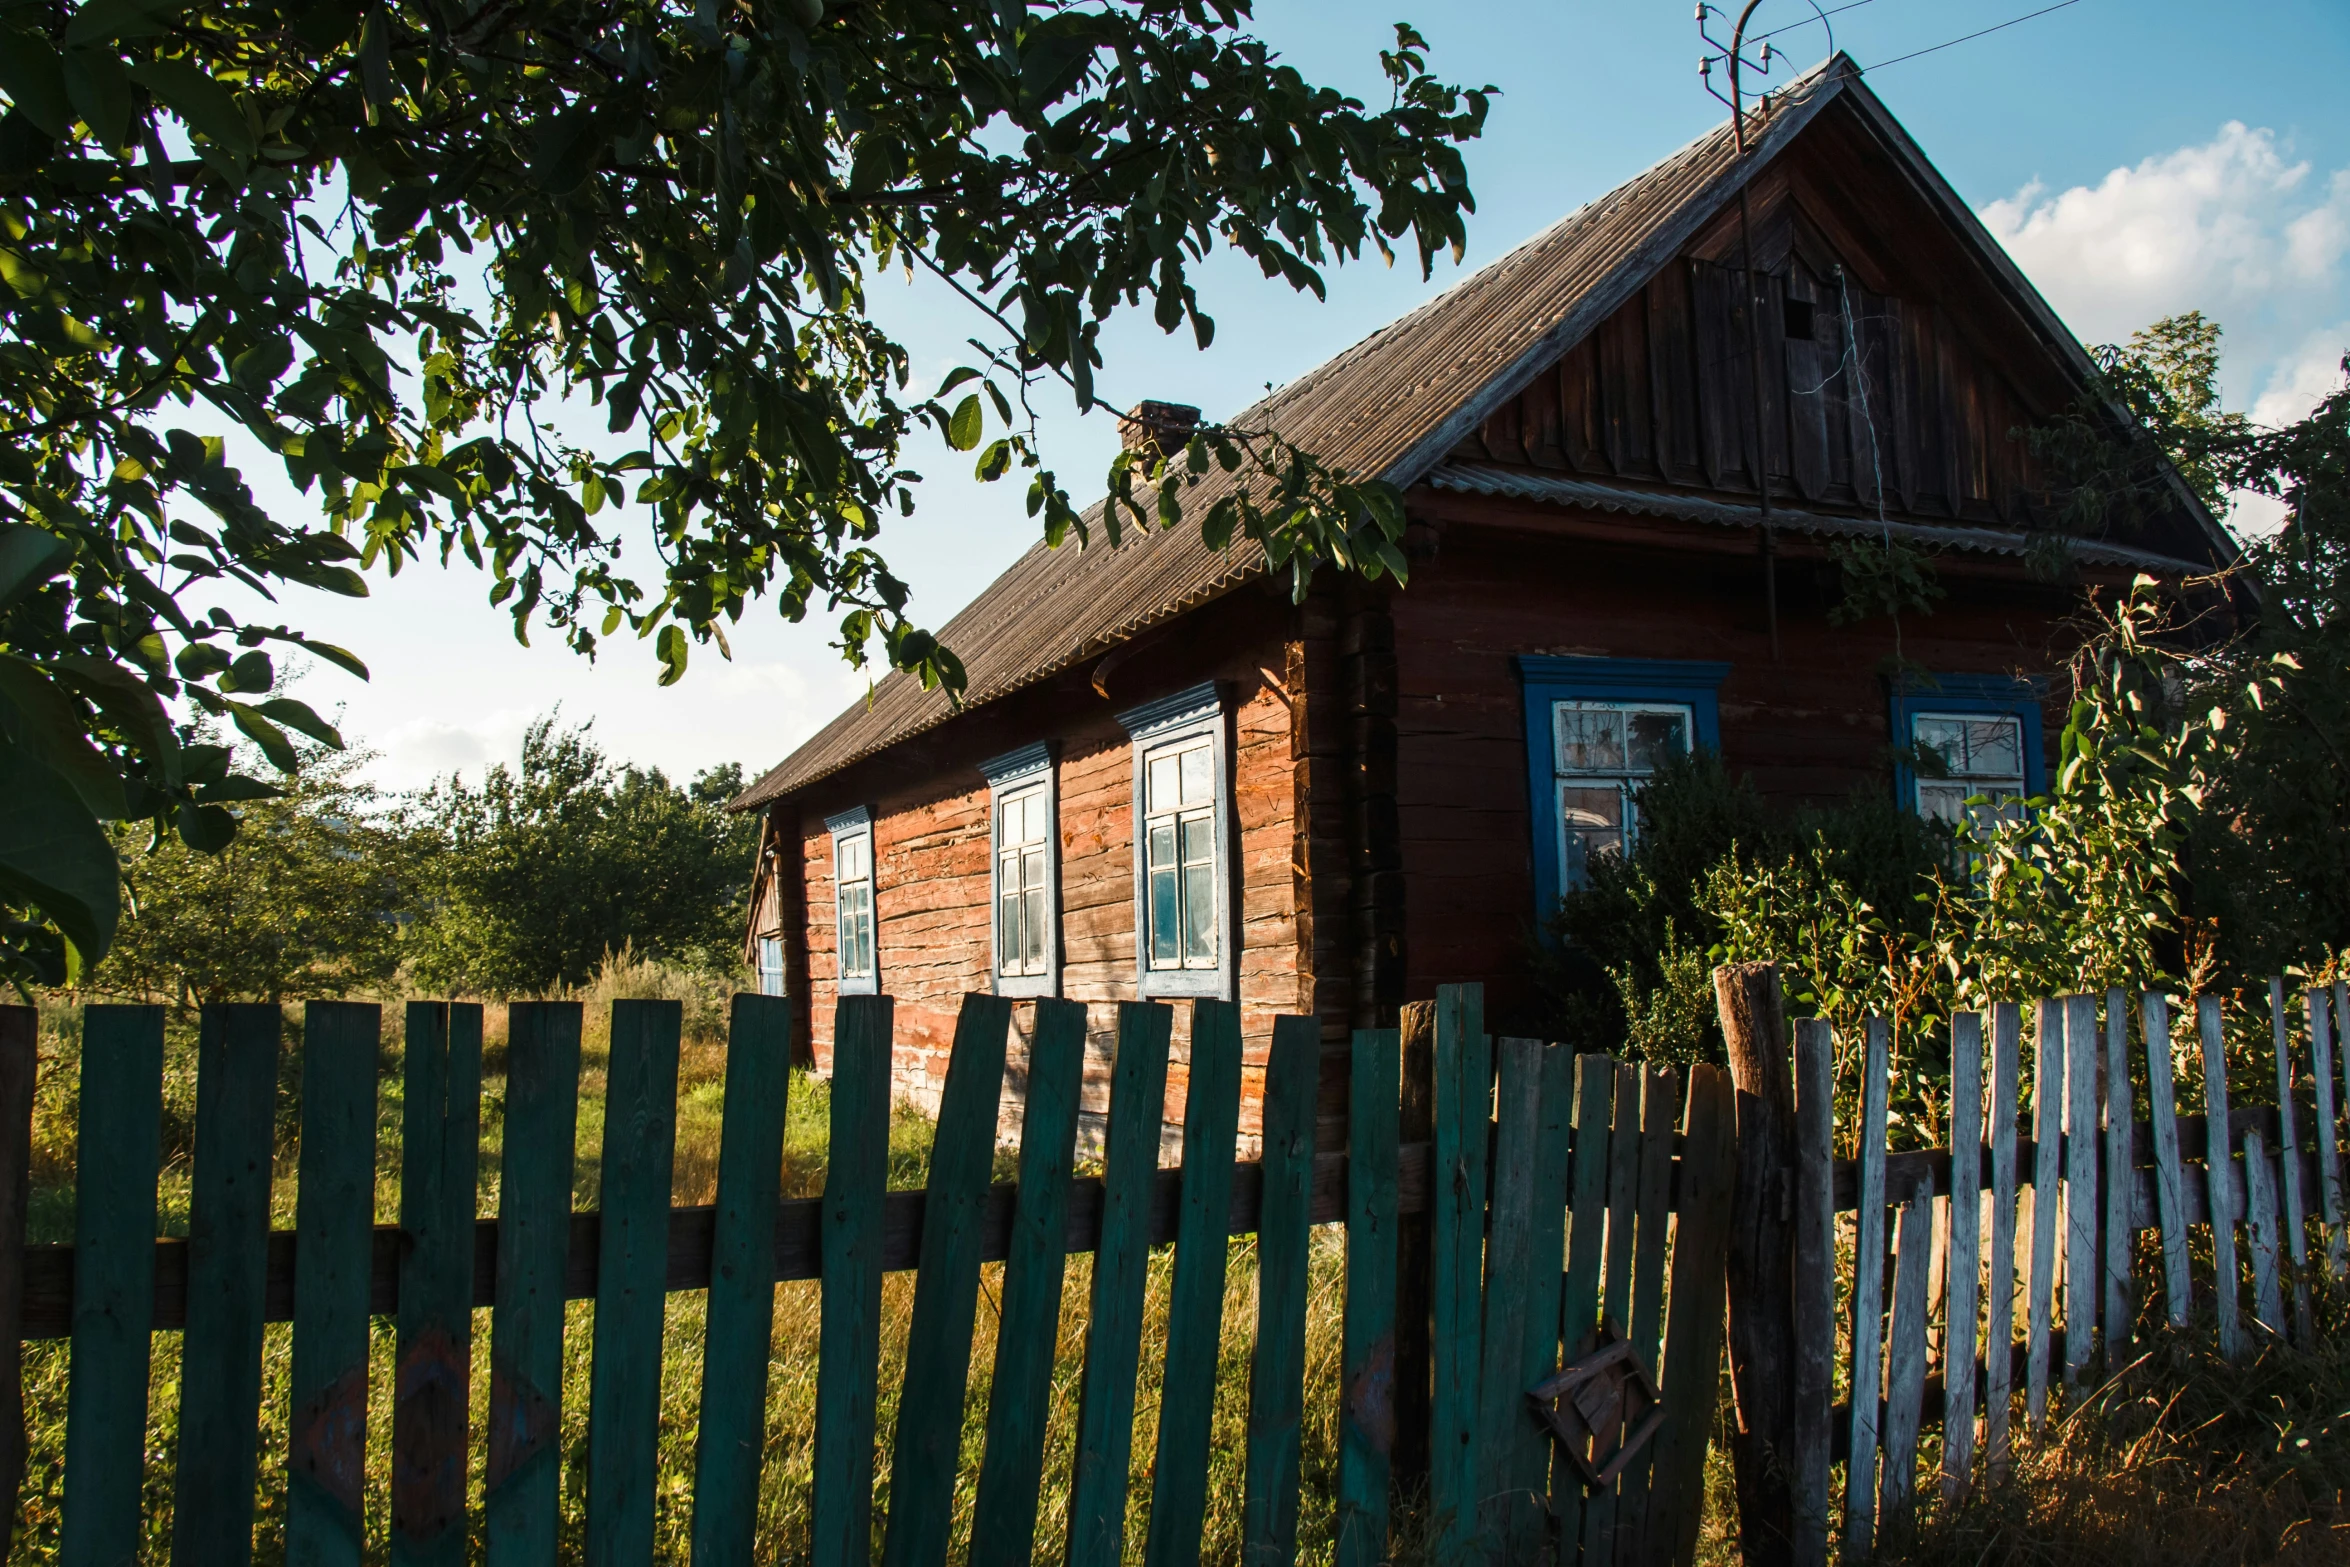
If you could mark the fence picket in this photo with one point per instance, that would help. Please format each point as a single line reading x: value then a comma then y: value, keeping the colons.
x: 1814, y: 1282
x: 1464, y: 1099
x: 1905, y: 1376
x: 2219, y: 1188
x: 848, y: 1347
x: 20, y: 1068
x: 1503, y: 1413
x: 2120, y: 1232
x: 2289, y: 1169
x: 2329, y: 1152
x: 2083, y: 1132
x: 1545, y: 1293
x: 1367, y: 1372
x: 946, y: 1289
x: 1601, y: 1513
x: 1693, y: 1333
x: 1003, y: 1518
x: 1121, y: 1267
x: 2170, y: 1182
x: 2260, y: 1224
x: 334, y: 1218
x: 731, y: 1439
x: 632, y: 1261
x: 1595, y: 1089
x: 526, y: 1321
x: 113, y: 1282
x: 2047, y: 1157
x: 1277, y: 1366
x: 228, y: 1268
x: 1868, y: 1301
x: 440, y: 1152
x: 1964, y: 1270
x: 2007, y: 1026
x: 1195, y: 1306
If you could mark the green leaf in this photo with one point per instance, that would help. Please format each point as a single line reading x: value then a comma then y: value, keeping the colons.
x: 34, y: 79
x: 341, y: 658
x: 251, y: 672
x: 299, y: 717
x: 237, y: 787
x: 29, y: 556
x: 964, y: 428
x: 55, y: 857
x: 43, y: 721
x: 203, y: 105
x: 207, y: 829
x: 128, y: 702
x: 103, y: 21
x: 268, y: 736
x: 260, y: 367
x: 671, y: 649
x: 101, y: 95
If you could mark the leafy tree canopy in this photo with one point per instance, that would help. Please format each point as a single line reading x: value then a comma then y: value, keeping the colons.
x: 381, y: 243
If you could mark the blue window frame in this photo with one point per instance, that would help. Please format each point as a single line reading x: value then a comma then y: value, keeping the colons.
x: 1595, y: 728
x: 1985, y: 728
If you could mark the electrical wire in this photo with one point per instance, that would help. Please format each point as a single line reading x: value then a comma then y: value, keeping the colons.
x: 2012, y: 21
x: 1788, y: 27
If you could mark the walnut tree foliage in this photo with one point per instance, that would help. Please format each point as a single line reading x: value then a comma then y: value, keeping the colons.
x: 381, y: 243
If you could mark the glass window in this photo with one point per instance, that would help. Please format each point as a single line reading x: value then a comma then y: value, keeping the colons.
x: 1023, y: 834
x: 1604, y: 752
x: 852, y: 855
x: 1982, y: 758
x: 770, y: 965
x: 1179, y: 838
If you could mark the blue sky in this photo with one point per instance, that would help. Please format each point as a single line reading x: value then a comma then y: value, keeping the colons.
x: 2137, y: 159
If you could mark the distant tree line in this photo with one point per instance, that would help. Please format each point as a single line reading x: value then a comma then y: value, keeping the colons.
x: 516, y: 885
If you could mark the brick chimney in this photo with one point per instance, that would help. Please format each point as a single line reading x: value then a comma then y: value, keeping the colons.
x: 1153, y: 428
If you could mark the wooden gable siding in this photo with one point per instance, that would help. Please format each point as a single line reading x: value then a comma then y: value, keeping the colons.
x: 1901, y: 387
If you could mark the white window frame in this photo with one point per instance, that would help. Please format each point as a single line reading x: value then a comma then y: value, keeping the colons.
x: 1627, y: 779
x: 1025, y: 774
x: 1176, y: 722
x: 852, y: 826
x: 2018, y: 784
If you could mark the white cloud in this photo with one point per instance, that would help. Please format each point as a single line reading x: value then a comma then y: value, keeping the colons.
x: 2300, y: 378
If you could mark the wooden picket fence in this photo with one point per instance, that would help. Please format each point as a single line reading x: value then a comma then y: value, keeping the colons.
x: 1602, y: 1245
x: 2050, y: 1210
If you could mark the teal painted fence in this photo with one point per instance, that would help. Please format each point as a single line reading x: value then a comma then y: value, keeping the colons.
x: 1566, y: 1267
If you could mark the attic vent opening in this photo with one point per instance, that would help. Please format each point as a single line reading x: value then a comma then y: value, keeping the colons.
x: 1153, y: 428
x: 1799, y: 320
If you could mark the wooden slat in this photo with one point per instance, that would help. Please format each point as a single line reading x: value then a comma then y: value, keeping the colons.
x: 2007, y: 1101
x: 1660, y: 1109
x: 946, y: 1291
x: 1464, y: 1099
x: 1538, y: 1355
x: 624, y: 1375
x: 334, y: 1218
x: 20, y: 1029
x: 2219, y: 1188
x: 440, y: 1150
x: 1367, y: 1370
x: 1113, y: 1338
x: 1693, y: 1331
x: 1003, y: 1519
x: 1868, y: 1301
x: 1415, y: 1245
x: 1277, y: 1365
x: 2081, y: 1201
x: 2260, y: 1215
x: 1595, y: 1089
x: 1600, y: 1514
x: 731, y: 1436
x: 1905, y: 1375
x: 2329, y: 1152
x: 1963, y: 1273
x: 1195, y: 1298
x: 228, y: 1265
x: 1814, y: 1282
x: 848, y: 1347
x: 118, y: 1148
x: 524, y: 1464
x: 2289, y: 1191
x: 2169, y: 1177
x: 2047, y: 1154
x: 2120, y: 1241
x: 1504, y: 1510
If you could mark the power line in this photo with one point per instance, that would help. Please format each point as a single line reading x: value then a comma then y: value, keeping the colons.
x: 2012, y: 21
x: 1810, y: 21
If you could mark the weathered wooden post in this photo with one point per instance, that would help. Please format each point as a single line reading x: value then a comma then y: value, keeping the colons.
x: 1415, y: 1255
x: 1761, y: 1262
x: 19, y: 1033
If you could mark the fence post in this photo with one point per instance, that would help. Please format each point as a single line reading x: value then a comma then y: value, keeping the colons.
x: 1761, y: 1277
x: 20, y: 1029
x: 1415, y: 1259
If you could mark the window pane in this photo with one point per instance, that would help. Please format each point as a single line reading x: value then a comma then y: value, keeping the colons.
x: 1944, y: 737
x: 1199, y: 840
x: 1032, y: 822
x: 1032, y: 870
x: 1008, y: 938
x: 1586, y: 809
x: 855, y: 857
x: 1162, y: 844
x: 1590, y: 739
x: 1165, y: 789
x: 1995, y: 748
x: 1199, y: 914
x: 1165, y: 924
x: 1032, y: 930
x: 1655, y: 738
x: 1942, y: 801
x: 1198, y: 787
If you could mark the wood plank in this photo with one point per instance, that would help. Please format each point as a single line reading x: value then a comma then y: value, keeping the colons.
x: 2081, y: 1200
x: 2120, y: 1241
x: 1814, y: 1282
x: 1595, y: 1089
x: 1195, y: 1298
x: 334, y: 1220
x: 624, y: 1374
x: 440, y: 1150
x: 946, y: 1291
x: 1003, y: 1518
x: 1121, y: 1266
x: 1529, y: 1527
x: 1601, y: 1512
x: 1963, y: 1273
x: 2329, y: 1151
x: 731, y: 1428
x: 2260, y: 1212
x: 1277, y: 1364
x: 2219, y: 1189
x: 1660, y: 1109
x: 1693, y: 1330
x: 2007, y: 1099
x: 1415, y: 1263
x: 1868, y: 1301
x: 114, y: 1282
x: 228, y: 1267
x: 848, y: 1347
x: 1905, y: 1376
x: 1504, y: 1510
x: 20, y: 1029
x: 524, y: 1467
x: 2169, y: 1177
x: 2289, y: 1170
x: 2047, y: 1154
x: 1464, y: 1099
x: 1367, y: 1364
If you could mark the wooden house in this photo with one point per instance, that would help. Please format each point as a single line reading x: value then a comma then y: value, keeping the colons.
x: 1168, y: 778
